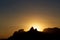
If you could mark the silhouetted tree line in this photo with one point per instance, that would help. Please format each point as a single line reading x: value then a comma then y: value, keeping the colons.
x: 33, y: 34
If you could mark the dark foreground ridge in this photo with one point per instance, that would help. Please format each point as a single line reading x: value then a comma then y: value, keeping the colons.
x: 33, y: 34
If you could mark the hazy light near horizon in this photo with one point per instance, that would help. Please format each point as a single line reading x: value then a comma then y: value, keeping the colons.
x: 35, y: 25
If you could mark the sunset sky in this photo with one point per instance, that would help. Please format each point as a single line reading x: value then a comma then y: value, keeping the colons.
x: 22, y: 14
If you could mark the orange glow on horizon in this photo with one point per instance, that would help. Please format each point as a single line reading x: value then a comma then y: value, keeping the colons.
x: 37, y: 26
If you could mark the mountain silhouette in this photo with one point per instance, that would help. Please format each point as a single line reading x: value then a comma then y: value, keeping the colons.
x: 33, y: 34
x: 52, y: 30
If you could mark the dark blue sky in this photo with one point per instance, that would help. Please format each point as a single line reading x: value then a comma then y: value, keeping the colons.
x: 17, y: 14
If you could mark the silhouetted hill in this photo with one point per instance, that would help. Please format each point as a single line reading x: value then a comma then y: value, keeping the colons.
x: 52, y: 30
x: 33, y: 34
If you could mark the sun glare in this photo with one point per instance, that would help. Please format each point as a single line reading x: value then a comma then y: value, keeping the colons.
x: 37, y: 26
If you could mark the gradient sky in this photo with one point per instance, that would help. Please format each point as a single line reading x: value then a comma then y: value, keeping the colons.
x: 21, y: 14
